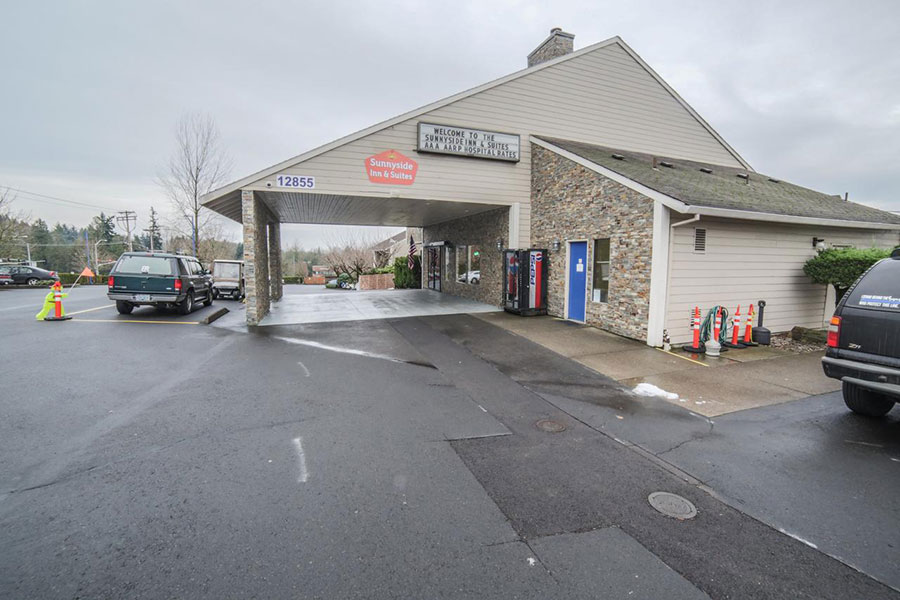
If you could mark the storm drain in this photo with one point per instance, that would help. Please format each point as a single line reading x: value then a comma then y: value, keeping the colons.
x: 672, y: 505
x: 550, y: 426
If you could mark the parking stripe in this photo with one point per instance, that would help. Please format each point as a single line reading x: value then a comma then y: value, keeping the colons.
x: 136, y: 321
x: 78, y: 312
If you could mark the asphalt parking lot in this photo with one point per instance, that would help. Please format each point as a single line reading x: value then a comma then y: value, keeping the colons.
x: 149, y: 456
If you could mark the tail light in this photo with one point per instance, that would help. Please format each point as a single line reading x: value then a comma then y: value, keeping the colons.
x: 52, y: 273
x: 177, y: 285
x: 834, y: 332
x: 110, y: 281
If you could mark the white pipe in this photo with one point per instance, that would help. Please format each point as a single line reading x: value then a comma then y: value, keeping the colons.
x: 693, y: 219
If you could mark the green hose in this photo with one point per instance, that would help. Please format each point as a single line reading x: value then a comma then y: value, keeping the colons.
x: 707, y: 326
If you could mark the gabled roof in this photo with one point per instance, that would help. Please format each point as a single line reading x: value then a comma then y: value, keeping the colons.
x: 250, y: 179
x: 701, y: 188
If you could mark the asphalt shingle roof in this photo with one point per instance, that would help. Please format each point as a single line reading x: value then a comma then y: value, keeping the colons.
x: 722, y: 188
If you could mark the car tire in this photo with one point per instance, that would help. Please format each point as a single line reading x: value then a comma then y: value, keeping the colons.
x: 32, y: 281
x: 866, y: 402
x: 124, y: 307
x: 209, y: 298
x: 215, y: 293
x: 236, y: 295
x: 187, y: 305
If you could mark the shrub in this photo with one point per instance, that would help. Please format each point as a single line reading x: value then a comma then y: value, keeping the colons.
x: 403, y: 277
x: 380, y: 270
x: 344, y: 278
x: 292, y: 279
x: 841, y: 267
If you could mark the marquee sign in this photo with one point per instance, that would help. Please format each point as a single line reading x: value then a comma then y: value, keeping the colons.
x: 392, y: 168
x: 462, y: 141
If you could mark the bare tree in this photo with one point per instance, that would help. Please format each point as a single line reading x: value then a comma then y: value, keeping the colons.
x: 12, y: 225
x: 352, y: 255
x: 198, y: 166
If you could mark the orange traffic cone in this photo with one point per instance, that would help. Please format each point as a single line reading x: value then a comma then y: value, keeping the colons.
x: 748, y: 329
x: 696, y: 346
x: 736, y: 331
x: 58, y: 313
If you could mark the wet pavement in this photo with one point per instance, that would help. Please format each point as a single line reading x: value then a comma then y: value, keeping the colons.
x: 402, y: 458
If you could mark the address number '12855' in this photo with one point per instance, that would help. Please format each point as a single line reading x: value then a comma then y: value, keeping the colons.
x: 305, y: 182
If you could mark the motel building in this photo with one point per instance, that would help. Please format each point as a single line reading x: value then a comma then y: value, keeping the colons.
x: 644, y: 210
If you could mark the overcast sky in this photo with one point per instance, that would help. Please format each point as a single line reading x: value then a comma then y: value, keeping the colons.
x: 805, y: 91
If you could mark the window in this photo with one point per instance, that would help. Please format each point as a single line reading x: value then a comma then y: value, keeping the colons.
x: 462, y: 263
x: 146, y: 265
x: 700, y: 240
x: 227, y: 270
x: 475, y: 265
x: 600, y: 292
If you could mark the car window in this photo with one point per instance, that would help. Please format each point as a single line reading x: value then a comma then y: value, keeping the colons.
x: 144, y: 265
x: 879, y: 289
x: 227, y: 270
x: 196, y: 269
x: 5, y: 270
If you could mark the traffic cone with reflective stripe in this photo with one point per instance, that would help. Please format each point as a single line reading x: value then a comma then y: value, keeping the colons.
x: 696, y: 347
x: 59, y: 314
x: 748, y: 329
x: 735, y: 331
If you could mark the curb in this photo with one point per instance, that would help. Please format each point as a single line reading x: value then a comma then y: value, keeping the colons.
x: 219, y: 313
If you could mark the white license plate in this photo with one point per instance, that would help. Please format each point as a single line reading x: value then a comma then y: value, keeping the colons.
x: 142, y: 297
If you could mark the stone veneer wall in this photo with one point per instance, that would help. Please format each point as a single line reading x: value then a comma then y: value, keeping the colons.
x: 255, y: 216
x: 482, y: 230
x: 570, y: 202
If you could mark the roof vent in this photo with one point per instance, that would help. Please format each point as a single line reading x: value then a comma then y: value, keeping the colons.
x: 618, y: 157
x: 667, y: 164
x: 705, y: 170
x: 743, y: 176
x: 773, y: 180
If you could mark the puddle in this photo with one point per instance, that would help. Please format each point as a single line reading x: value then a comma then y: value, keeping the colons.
x: 353, y: 351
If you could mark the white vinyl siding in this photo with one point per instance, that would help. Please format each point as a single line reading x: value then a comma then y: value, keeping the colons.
x: 602, y: 97
x: 746, y: 262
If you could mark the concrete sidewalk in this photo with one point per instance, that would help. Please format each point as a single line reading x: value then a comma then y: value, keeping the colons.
x: 737, y: 380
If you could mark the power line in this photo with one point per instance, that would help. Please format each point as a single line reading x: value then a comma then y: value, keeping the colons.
x: 57, y: 198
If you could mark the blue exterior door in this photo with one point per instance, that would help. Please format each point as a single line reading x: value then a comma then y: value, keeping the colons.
x: 577, y: 280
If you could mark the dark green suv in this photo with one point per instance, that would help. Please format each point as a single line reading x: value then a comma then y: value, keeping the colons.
x: 159, y: 279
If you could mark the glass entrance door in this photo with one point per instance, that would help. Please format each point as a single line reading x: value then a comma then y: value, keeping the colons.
x: 434, y: 256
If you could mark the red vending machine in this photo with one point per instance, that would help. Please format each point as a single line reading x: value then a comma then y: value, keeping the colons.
x: 525, y: 282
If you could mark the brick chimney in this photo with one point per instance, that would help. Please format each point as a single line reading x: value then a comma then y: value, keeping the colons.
x: 558, y: 44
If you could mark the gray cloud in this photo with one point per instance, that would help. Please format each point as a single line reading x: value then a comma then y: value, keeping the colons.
x: 806, y: 91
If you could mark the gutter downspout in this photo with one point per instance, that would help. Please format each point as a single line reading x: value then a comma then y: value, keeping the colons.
x: 669, y: 243
x: 693, y: 219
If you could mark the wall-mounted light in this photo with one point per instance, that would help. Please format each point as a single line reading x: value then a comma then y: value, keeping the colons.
x: 499, y: 244
x: 818, y: 244
x: 556, y: 245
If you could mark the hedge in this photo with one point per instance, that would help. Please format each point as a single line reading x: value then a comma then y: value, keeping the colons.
x: 403, y: 277
x: 69, y: 279
x: 292, y: 279
x: 841, y: 267
x: 380, y: 270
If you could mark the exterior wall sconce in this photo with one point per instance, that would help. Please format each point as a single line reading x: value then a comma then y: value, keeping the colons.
x: 556, y: 245
x: 819, y: 244
x: 500, y: 245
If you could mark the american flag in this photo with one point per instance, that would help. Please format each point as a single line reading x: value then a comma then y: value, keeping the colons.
x: 412, y: 252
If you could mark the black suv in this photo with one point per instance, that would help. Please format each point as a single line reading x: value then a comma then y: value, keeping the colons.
x: 159, y: 279
x: 864, y: 340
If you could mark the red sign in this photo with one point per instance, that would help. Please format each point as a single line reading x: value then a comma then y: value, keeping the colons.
x: 392, y: 168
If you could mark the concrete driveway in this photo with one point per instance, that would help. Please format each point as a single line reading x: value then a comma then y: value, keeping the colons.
x: 299, y: 305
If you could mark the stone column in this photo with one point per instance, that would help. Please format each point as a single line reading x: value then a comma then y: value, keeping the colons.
x: 275, y: 259
x: 256, y: 256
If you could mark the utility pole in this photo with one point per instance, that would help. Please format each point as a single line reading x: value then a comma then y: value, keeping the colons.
x: 153, y: 229
x: 127, y: 218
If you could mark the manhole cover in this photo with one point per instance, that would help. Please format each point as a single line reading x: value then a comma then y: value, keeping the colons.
x: 672, y: 505
x: 550, y: 426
